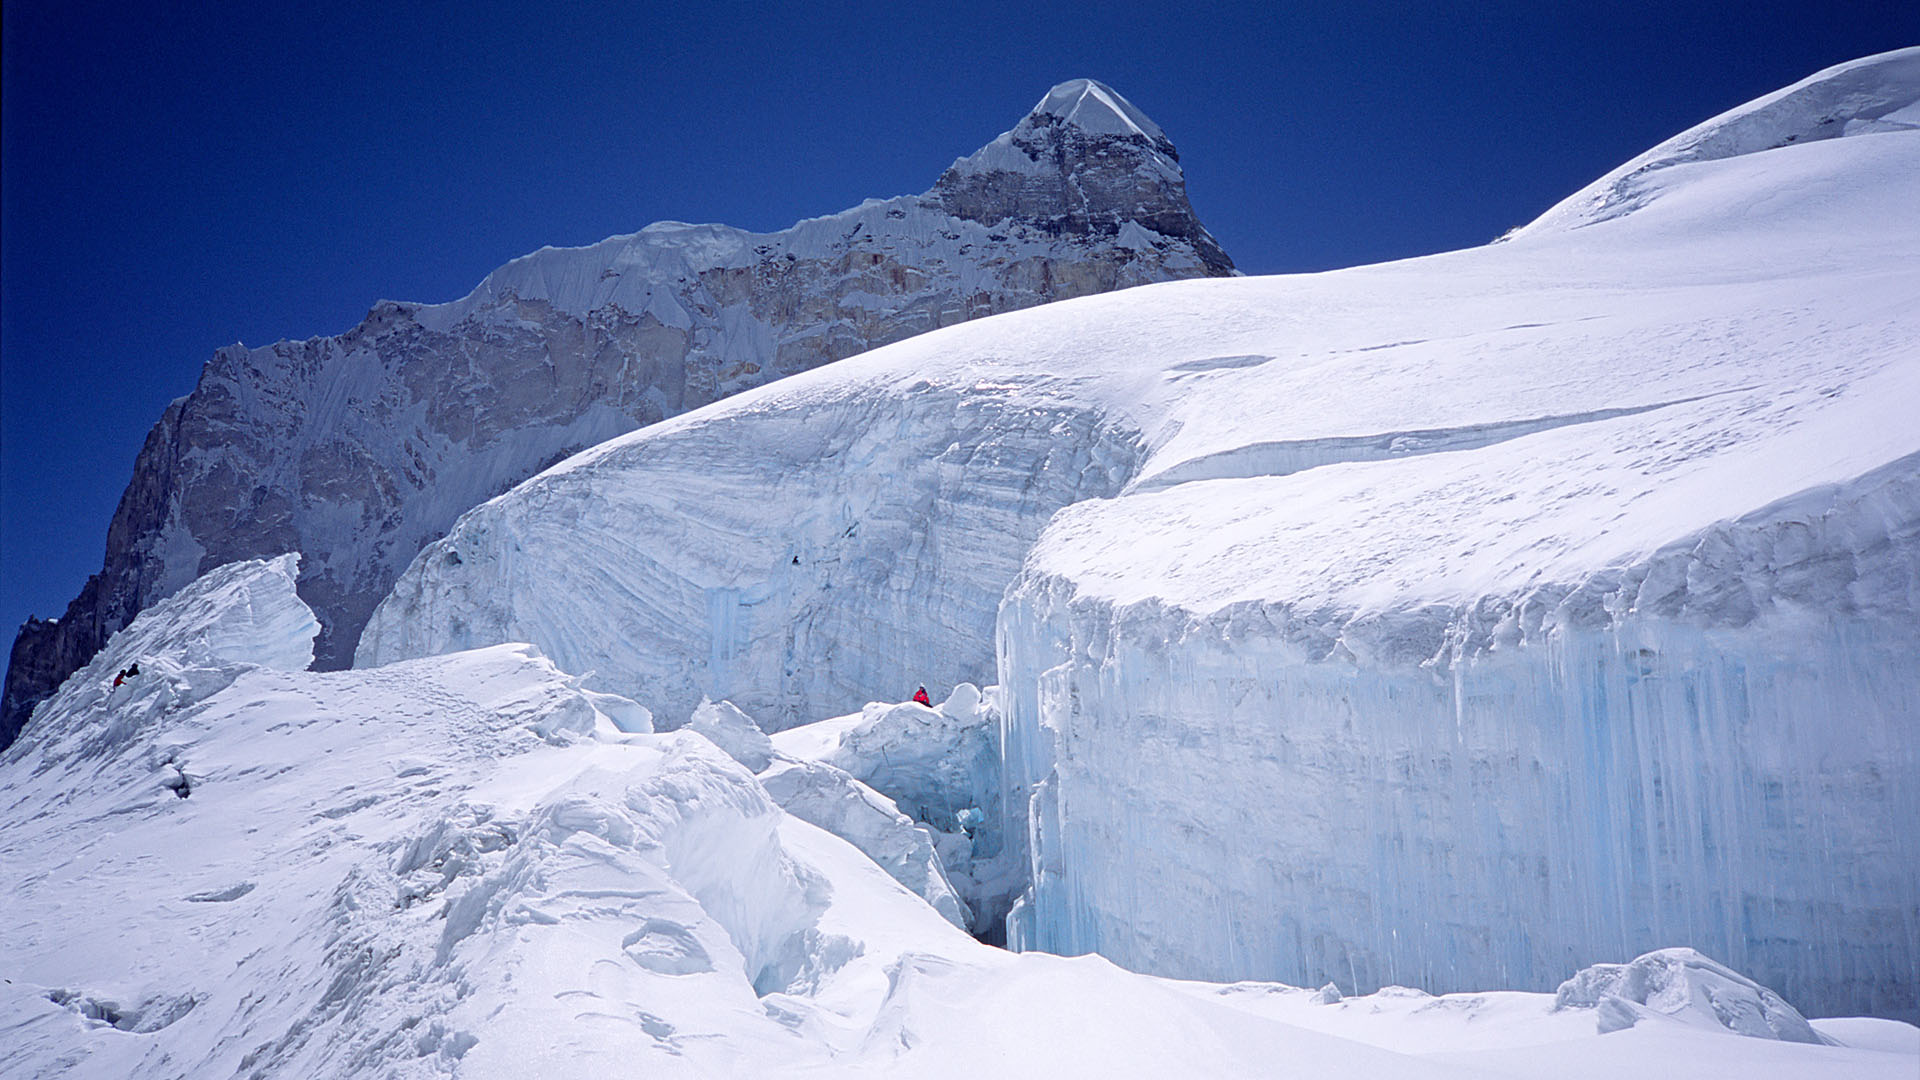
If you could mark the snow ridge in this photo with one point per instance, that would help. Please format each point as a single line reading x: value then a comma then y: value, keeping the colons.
x: 1872, y: 95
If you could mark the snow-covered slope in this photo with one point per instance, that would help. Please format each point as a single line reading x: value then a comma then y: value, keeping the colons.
x: 1464, y: 620
x: 462, y: 866
x: 1872, y: 95
x: 358, y: 449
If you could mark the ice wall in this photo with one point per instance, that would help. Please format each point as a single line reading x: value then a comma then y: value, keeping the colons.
x: 830, y: 553
x: 1715, y: 747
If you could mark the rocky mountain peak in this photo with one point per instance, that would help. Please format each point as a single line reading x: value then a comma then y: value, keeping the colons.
x: 1084, y: 162
x: 358, y: 449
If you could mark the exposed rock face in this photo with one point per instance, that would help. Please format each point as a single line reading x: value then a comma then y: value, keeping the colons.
x: 359, y: 449
x: 1076, y: 167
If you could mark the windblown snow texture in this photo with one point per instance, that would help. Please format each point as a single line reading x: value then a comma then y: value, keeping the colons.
x: 360, y: 448
x: 1464, y: 620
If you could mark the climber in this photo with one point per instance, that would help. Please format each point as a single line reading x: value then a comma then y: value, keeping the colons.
x: 126, y: 673
x: 920, y: 696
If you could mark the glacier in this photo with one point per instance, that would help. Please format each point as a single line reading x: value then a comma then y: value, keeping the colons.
x: 1466, y: 620
x: 470, y: 866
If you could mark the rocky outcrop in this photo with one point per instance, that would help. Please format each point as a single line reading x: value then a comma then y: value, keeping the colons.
x: 359, y: 449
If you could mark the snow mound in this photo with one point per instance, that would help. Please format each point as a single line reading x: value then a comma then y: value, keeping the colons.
x: 733, y: 732
x: 1871, y: 95
x: 820, y: 794
x: 941, y: 768
x: 829, y: 797
x: 242, y: 613
x: 1871, y: 1033
x: 1521, y: 1034
x: 1683, y: 985
x: 934, y: 762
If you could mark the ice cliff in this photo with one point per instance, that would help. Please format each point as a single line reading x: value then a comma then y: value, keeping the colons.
x: 1461, y: 621
x: 851, y: 540
x: 358, y: 449
x: 1626, y: 676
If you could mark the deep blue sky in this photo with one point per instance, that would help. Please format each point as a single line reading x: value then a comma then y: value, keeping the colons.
x: 176, y: 180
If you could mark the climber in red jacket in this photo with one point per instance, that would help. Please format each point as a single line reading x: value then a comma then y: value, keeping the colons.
x: 920, y: 696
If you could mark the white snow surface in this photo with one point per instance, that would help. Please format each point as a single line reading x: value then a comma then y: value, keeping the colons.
x: 1464, y: 620
x: 733, y: 732
x: 240, y: 613
x: 460, y: 867
x: 823, y: 795
x: 1097, y: 108
x: 186, y: 647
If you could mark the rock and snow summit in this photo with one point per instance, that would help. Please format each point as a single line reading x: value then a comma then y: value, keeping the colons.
x: 360, y: 448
